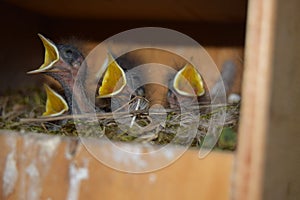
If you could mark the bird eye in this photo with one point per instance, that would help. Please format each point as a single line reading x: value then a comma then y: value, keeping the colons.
x: 69, y: 53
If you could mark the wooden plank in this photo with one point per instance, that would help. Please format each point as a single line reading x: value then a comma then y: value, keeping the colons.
x: 255, y: 104
x: 268, y: 160
x: 214, y: 10
x: 38, y: 166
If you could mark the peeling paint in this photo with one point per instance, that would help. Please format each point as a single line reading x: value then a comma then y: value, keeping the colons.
x: 10, y: 175
x: 76, y: 176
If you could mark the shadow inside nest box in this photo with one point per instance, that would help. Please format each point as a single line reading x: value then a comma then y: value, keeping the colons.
x: 22, y: 51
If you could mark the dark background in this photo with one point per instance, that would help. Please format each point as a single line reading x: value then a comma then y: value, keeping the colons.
x: 214, y: 23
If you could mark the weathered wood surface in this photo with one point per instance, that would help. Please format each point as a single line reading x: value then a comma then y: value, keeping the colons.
x: 37, y: 166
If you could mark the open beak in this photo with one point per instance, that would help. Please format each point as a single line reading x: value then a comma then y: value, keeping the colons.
x: 114, y: 79
x: 55, y: 104
x: 188, y: 82
x: 51, y: 56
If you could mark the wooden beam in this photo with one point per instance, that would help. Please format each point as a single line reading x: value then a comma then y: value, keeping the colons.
x: 268, y: 160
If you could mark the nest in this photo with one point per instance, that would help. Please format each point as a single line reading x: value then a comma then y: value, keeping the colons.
x: 21, y: 111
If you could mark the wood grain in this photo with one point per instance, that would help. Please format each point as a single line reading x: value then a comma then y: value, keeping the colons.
x: 268, y: 159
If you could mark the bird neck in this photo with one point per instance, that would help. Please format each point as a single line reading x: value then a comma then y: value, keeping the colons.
x: 81, y: 102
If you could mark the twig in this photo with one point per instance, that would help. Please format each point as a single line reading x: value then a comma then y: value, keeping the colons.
x: 113, y: 115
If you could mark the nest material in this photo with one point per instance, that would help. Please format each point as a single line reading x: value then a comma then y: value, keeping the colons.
x: 21, y: 111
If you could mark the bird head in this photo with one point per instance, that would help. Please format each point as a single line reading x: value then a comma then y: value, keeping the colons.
x: 114, y: 79
x: 187, y: 84
x: 62, y: 62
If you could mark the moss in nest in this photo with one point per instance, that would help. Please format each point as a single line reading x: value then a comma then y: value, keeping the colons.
x: 16, y: 105
x: 228, y: 139
x: 164, y: 138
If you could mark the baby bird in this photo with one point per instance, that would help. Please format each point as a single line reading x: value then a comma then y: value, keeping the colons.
x: 65, y: 63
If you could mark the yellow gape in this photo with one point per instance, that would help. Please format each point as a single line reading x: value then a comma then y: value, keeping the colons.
x: 51, y: 55
x: 114, y: 79
x: 188, y: 82
x: 55, y: 104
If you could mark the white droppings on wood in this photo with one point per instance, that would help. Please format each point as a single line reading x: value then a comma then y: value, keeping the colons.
x: 42, y: 148
x: 71, y: 148
x: 68, y: 152
x: 136, y: 158
x: 152, y: 178
x: 47, y: 148
x: 169, y: 154
x: 131, y: 156
x: 10, y: 174
x: 11, y: 142
x: 34, y: 186
x: 76, y: 176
